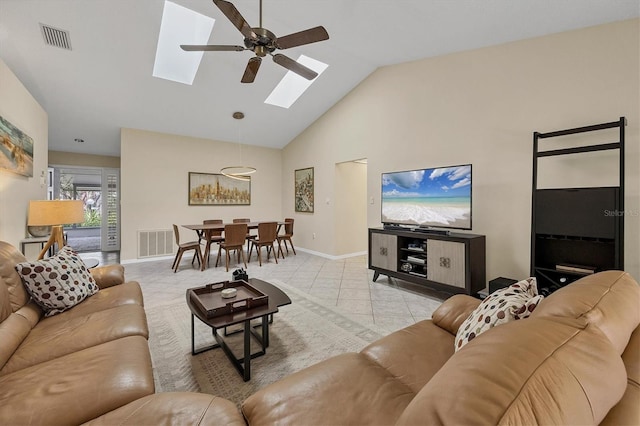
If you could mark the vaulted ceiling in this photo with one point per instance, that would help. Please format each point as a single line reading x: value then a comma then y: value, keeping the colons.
x: 105, y: 81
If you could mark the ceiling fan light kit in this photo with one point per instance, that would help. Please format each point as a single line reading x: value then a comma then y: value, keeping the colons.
x: 263, y: 42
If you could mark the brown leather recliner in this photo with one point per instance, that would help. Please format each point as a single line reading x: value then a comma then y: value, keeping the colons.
x: 87, y: 361
x: 563, y: 365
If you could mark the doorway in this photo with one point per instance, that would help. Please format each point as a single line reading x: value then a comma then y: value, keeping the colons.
x: 98, y: 189
x: 351, y: 207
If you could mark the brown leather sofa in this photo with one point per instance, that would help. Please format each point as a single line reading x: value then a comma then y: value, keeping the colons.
x: 87, y: 361
x: 565, y: 364
x: 575, y: 360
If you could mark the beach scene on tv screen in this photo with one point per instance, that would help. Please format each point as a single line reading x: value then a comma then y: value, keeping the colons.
x: 429, y: 197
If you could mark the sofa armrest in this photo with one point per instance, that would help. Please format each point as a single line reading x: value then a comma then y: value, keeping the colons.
x: 179, y: 408
x: 454, y: 311
x: 108, y: 276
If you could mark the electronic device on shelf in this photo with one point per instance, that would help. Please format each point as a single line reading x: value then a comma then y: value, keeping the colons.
x: 417, y: 200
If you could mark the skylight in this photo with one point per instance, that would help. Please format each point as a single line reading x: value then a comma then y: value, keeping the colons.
x: 180, y: 26
x: 292, y: 86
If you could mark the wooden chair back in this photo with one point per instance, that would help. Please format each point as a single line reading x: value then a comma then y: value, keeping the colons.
x: 267, y: 232
x: 241, y: 220
x: 288, y: 226
x: 176, y: 233
x: 235, y: 234
x: 214, y: 222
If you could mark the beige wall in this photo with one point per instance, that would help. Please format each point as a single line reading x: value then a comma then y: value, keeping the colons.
x: 154, y: 179
x: 83, y: 160
x: 22, y: 110
x: 479, y: 107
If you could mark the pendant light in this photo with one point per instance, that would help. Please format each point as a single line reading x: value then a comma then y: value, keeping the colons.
x: 238, y: 172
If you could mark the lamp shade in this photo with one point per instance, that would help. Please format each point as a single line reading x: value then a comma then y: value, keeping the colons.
x: 55, y: 212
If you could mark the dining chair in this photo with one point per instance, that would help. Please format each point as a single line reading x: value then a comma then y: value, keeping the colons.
x: 234, y: 237
x: 182, y: 247
x: 267, y: 235
x: 249, y: 236
x: 288, y: 233
x: 215, y: 236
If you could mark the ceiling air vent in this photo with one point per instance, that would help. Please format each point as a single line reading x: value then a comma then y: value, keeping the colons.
x: 55, y: 37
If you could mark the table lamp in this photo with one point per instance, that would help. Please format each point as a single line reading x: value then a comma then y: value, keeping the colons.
x: 55, y: 213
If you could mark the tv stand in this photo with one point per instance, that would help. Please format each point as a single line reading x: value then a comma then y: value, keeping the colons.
x: 451, y: 262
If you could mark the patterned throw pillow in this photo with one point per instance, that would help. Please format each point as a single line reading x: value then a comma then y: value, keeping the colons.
x: 59, y: 282
x: 511, y: 303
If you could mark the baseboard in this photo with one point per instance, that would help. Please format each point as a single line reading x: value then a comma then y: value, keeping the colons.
x: 329, y: 256
x: 315, y: 253
x: 146, y: 259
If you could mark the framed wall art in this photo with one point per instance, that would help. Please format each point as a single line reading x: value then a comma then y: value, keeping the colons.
x: 16, y: 149
x: 304, y: 190
x: 210, y: 189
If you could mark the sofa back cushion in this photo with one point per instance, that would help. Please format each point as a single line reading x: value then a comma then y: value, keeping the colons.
x: 9, y: 257
x: 609, y: 300
x: 533, y: 371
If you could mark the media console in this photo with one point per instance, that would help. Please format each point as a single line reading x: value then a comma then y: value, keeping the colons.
x: 452, y: 262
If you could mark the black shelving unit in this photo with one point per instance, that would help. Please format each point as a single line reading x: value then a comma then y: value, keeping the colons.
x: 576, y: 231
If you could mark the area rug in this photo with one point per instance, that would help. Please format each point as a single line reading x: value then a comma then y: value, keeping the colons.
x: 302, y: 334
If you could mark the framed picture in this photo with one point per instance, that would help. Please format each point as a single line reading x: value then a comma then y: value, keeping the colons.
x: 304, y: 190
x: 16, y: 149
x: 210, y: 189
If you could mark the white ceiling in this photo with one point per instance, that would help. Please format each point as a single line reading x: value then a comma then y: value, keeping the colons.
x: 105, y: 82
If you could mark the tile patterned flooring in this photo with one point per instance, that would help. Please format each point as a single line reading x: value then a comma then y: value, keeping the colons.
x: 385, y: 306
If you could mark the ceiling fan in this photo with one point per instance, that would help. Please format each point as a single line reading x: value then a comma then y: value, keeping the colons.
x: 263, y: 42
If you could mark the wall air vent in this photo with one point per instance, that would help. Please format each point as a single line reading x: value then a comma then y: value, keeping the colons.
x: 55, y: 37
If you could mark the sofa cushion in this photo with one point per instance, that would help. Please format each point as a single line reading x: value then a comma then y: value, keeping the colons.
x: 524, y: 372
x: 49, y: 339
x: 414, y: 354
x: 608, y: 299
x: 174, y: 408
x: 59, y: 282
x: 510, y: 303
x: 78, y: 387
x: 345, y: 389
x: 9, y: 257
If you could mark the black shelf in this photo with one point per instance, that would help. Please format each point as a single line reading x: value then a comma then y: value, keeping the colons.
x: 576, y: 226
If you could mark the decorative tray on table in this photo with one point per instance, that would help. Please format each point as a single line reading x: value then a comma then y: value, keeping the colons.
x: 210, y: 301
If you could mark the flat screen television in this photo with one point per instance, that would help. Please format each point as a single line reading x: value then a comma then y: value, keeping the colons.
x: 438, y: 197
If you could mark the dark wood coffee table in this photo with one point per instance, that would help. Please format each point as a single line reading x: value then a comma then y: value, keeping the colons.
x: 277, y: 298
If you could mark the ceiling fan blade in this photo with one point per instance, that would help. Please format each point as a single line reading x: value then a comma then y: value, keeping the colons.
x: 211, y: 47
x: 294, y: 66
x: 251, y: 70
x: 236, y: 18
x: 311, y: 35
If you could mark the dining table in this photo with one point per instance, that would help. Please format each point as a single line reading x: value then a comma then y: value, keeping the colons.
x: 206, y: 230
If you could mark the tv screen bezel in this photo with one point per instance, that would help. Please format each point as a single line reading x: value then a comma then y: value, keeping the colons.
x: 415, y: 225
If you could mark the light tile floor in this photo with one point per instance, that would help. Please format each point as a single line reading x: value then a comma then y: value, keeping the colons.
x: 386, y: 305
